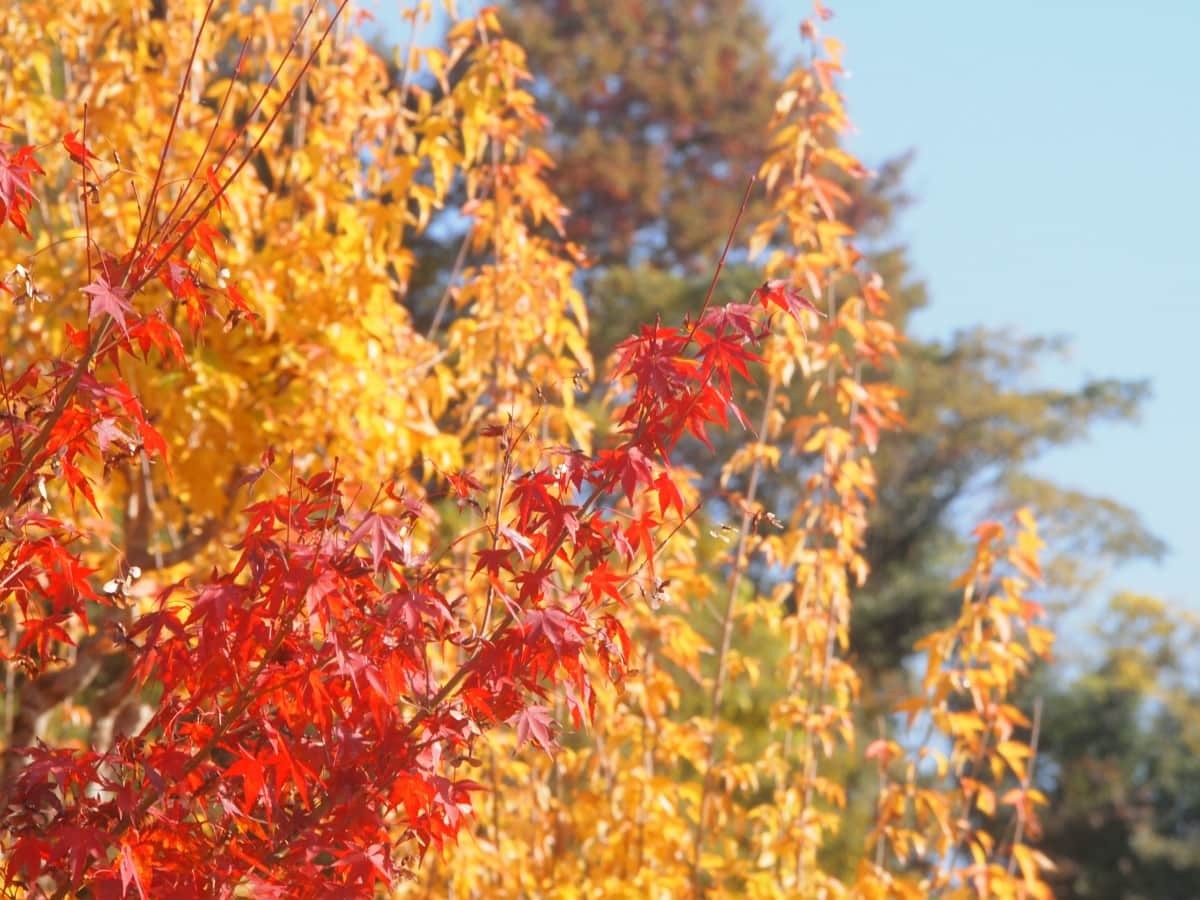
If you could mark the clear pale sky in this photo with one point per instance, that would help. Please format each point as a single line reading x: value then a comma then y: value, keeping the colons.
x: 1057, y: 186
x: 1058, y: 192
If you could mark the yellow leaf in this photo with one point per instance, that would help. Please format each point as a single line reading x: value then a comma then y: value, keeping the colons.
x: 1026, y: 862
x: 985, y: 800
x: 1014, y: 753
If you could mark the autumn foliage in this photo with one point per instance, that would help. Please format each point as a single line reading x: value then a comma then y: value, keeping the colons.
x: 299, y: 597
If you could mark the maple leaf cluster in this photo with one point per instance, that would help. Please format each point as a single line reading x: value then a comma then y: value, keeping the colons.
x: 17, y: 168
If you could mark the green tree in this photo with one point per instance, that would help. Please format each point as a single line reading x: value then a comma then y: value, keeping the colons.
x: 1121, y: 759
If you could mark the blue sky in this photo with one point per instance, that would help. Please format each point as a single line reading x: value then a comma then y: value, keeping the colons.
x: 1057, y: 188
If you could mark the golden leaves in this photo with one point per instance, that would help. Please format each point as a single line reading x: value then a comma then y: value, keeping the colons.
x: 972, y: 667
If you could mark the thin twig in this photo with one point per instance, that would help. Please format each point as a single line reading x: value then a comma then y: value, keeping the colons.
x: 254, y: 147
x: 712, y: 286
x: 444, y: 302
x: 212, y: 132
x: 152, y: 200
x: 735, y: 577
x: 87, y: 219
x: 1025, y: 783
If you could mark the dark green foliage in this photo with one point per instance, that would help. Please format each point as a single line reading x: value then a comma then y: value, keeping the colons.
x: 1121, y: 761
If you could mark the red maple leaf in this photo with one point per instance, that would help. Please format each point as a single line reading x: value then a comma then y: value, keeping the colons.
x: 130, y: 868
x: 558, y: 628
x: 16, y: 192
x: 627, y: 464
x: 534, y: 723
x: 464, y: 484
x: 601, y: 581
x: 641, y: 532
x: 723, y: 353
x: 214, y: 185
x: 668, y: 494
x: 106, y: 298
x: 783, y: 295
x: 493, y: 560
x: 78, y: 151
x: 198, y: 233
x: 521, y: 544
x: 153, y: 331
x: 388, y: 538
x: 108, y: 433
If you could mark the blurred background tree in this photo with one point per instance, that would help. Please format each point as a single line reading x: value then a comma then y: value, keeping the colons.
x: 1123, y: 745
x: 658, y: 110
x: 658, y: 106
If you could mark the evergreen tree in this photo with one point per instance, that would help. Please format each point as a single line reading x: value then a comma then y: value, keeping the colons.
x: 659, y: 108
